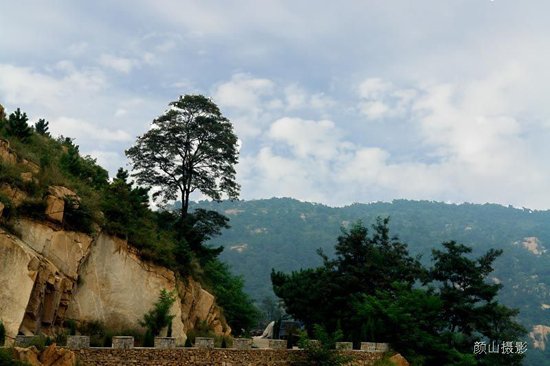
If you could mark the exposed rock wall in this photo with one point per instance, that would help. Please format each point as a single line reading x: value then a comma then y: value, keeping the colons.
x: 39, y: 275
x: 34, y: 294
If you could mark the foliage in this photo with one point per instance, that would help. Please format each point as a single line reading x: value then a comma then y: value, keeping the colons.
x: 188, y: 343
x: 2, y: 334
x: 238, y: 309
x: 33, y: 209
x: 190, y: 147
x: 362, y: 264
x: 159, y: 317
x: 322, y: 352
x: 77, y: 217
x: 6, y: 358
x: 149, y: 339
x: 41, y: 127
x: 427, y: 325
x: 17, y: 126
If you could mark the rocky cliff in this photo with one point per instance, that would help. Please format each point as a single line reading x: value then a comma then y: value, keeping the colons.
x: 48, y: 275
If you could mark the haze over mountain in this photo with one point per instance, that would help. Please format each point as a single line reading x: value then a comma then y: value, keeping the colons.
x: 284, y: 233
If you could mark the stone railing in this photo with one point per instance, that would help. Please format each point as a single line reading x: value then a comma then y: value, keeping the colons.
x: 165, y: 342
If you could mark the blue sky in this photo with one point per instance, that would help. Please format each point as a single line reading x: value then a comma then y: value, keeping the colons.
x: 337, y: 103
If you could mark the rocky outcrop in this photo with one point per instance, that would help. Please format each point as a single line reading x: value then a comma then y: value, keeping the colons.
x: 65, y: 249
x: 56, y: 200
x: 539, y: 335
x: 7, y: 155
x: 34, y: 293
x: 49, y: 275
x: 51, y: 356
x: 117, y: 288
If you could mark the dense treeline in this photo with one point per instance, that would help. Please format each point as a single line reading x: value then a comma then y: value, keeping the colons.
x: 373, y: 290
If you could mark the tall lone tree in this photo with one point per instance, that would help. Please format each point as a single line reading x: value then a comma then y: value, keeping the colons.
x: 190, y: 147
x: 17, y: 125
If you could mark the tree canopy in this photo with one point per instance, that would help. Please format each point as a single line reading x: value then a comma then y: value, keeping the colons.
x: 190, y: 147
x: 372, y: 291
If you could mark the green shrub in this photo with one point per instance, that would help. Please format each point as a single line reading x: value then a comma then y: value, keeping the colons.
x: 33, y: 209
x: 77, y: 219
x: 224, y: 343
x: 2, y: 334
x: 149, y: 340
x: 321, y: 353
x: 159, y: 317
x: 6, y: 358
x: 188, y: 343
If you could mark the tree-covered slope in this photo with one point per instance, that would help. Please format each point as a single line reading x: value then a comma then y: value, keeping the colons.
x: 285, y: 233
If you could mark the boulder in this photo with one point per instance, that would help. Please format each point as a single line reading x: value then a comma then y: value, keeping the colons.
x: 6, y: 154
x: 28, y: 355
x: 2, y: 206
x: 55, y: 208
x: 14, y: 194
x: 399, y: 360
x: 55, y: 202
x: 54, y: 356
x: 26, y: 177
x: 30, y: 165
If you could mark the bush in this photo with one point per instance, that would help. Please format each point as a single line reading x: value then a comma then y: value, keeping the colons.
x: 188, y: 343
x: 159, y: 317
x: 77, y: 219
x: 321, y: 353
x: 6, y: 359
x: 33, y: 209
x: 2, y: 334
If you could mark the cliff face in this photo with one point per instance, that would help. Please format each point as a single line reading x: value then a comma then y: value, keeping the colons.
x: 50, y: 275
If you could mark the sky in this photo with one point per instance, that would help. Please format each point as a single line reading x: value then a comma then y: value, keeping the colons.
x: 334, y: 102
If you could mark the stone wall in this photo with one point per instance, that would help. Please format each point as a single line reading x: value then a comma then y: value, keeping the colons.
x: 194, y: 356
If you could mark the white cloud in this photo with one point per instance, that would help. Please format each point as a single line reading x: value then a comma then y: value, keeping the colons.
x: 121, y: 64
x: 80, y: 129
x: 243, y: 92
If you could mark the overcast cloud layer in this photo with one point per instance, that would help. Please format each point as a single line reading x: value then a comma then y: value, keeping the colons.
x: 335, y: 103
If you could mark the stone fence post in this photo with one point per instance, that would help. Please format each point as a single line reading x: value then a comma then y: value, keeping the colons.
x: 382, y: 347
x: 123, y: 342
x: 277, y: 344
x: 78, y: 341
x: 242, y: 343
x: 203, y: 342
x: 368, y: 346
x: 165, y: 342
x: 344, y: 346
x: 22, y: 340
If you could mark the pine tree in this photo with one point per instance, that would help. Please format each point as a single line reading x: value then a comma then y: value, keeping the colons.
x: 17, y: 126
x: 41, y: 127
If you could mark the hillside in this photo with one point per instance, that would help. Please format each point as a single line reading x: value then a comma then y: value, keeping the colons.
x: 284, y: 234
x: 79, y: 248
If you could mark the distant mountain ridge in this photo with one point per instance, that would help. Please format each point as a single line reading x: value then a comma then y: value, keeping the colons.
x: 284, y: 233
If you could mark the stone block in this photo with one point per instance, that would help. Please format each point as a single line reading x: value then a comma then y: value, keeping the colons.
x: 78, y: 341
x: 242, y: 343
x: 165, y: 342
x: 382, y: 347
x: 277, y: 344
x: 344, y: 346
x: 368, y: 346
x: 123, y: 342
x: 204, y: 342
x: 22, y: 340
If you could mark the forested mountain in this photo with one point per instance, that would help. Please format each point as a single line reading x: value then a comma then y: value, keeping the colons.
x: 284, y: 233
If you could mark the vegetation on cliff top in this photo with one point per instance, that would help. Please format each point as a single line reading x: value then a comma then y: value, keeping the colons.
x: 175, y: 239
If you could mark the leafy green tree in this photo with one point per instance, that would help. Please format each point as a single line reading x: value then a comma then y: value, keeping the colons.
x: 238, y: 308
x: 17, y: 126
x: 363, y: 264
x: 159, y: 317
x: 42, y: 128
x: 190, y: 147
x: 470, y: 308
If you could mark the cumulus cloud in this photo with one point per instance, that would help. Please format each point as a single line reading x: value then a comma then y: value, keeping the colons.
x: 80, y: 129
